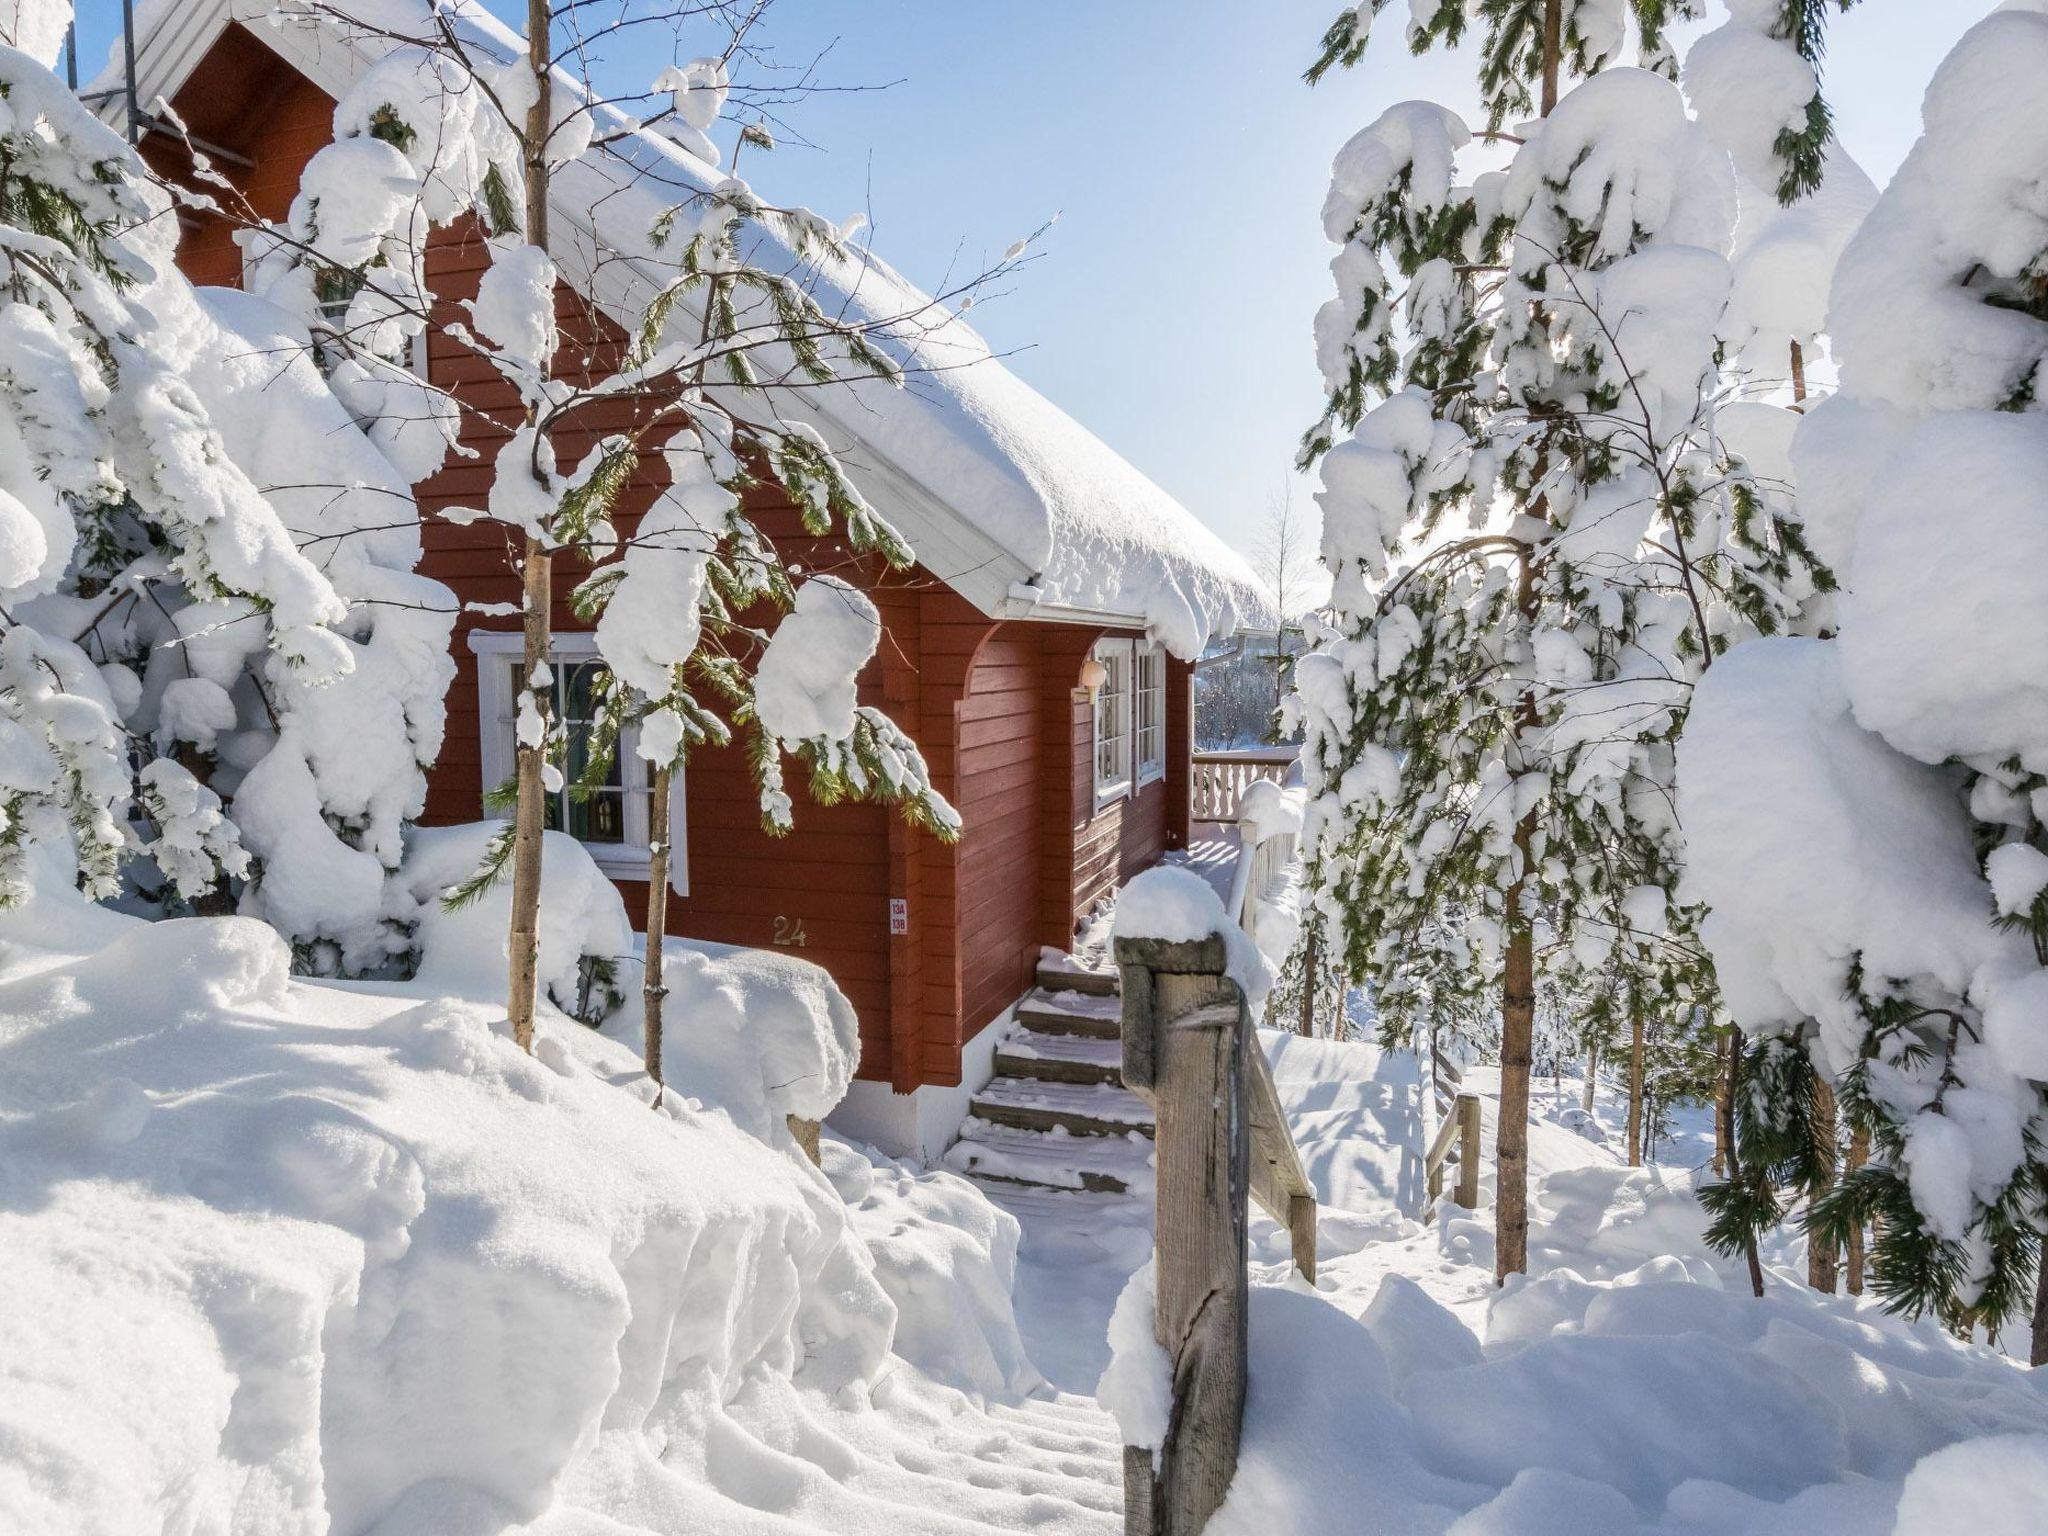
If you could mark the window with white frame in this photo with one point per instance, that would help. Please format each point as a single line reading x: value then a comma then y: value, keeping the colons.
x: 609, y: 819
x: 1148, y: 702
x: 1113, y: 720
x: 332, y: 303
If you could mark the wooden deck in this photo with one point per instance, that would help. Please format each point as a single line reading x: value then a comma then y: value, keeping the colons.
x: 1212, y: 853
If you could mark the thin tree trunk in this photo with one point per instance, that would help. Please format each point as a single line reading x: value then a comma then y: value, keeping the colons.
x: 537, y: 590
x: 1308, y: 985
x: 528, y: 820
x: 1511, y: 1141
x: 1592, y: 1076
x: 1518, y: 989
x: 1823, y: 1260
x: 1859, y: 1154
x: 1553, y: 51
x: 1723, y: 1108
x: 1436, y: 1078
x: 1517, y: 1013
x: 1756, y: 1268
x: 653, y: 986
x: 2038, y: 1355
x: 1637, y: 1130
x: 1798, y: 377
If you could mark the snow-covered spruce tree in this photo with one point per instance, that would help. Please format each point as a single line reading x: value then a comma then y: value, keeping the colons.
x: 710, y: 293
x: 1537, y: 538
x: 1866, y: 815
x: 1753, y: 83
x: 124, y: 515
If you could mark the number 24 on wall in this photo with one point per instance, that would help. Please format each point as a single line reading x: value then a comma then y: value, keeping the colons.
x: 790, y: 931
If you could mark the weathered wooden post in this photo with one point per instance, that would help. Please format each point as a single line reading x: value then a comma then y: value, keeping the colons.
x: 1190, y: 1048
x: 1459, y: 1130
x: 1185, y: 1043
x: 1468, y: 1151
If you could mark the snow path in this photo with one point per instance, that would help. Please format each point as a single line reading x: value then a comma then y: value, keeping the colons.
x: 1356, y: 1112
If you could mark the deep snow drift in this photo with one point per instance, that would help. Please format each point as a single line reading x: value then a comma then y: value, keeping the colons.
x: 290, y: 1257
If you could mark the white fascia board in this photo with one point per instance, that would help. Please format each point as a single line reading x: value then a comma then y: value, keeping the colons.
x: 1060, y: 613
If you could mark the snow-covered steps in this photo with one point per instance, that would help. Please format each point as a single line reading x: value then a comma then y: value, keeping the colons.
x: 1072, y: 1013
x: 1053, y: 1160
x: 1069, y: 975
x: 1079, y: 1109
x: 1061, y: 1057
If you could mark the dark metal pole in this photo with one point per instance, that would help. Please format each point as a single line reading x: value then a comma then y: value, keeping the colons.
x: 71, y: 56
x: 128, y: 56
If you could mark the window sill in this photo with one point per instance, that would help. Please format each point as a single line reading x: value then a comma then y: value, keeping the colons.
x: 618, y: 858
x: 1107, y: 795
x: 1151, y: 775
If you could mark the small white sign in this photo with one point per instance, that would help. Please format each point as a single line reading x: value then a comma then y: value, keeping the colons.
x: 899, y: 914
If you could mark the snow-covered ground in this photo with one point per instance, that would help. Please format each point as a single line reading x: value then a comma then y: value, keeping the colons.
x: 294, y: 1257
x: 300, y: 1257
x: 1630, y: 1384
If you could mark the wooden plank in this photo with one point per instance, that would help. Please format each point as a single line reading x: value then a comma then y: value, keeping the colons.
x: 1468, y: 1151
x: 1204, y: 1165
x: 1279, y: 1182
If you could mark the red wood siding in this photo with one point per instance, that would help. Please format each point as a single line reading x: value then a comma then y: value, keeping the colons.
x: 999, y: 795
x: 245, y: 99
x: 1105, y: 847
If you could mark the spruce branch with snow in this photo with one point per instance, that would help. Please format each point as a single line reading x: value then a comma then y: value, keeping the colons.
x: 168, y: 602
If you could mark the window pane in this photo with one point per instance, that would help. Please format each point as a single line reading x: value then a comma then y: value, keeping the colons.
x: 600, y: 816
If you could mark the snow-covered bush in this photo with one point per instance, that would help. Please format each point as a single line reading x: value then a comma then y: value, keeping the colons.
x: 200, y: 558
x: 1867, y: 815
x: 757, y: 1034
x: 584, y: 958
x: 291, y: 1258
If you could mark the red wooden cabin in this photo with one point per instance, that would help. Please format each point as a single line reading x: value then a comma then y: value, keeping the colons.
x: 1045, y: 554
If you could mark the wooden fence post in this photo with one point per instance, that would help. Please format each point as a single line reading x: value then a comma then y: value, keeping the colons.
x: 1468, y: 1151
x: 1185, y: 1042
x: 1459, y: 1132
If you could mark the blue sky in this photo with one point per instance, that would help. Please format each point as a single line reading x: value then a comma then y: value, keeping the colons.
x: 1170, y: 308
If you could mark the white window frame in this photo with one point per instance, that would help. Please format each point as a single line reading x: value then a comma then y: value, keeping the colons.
x: 415, y: 361
x: 1148, y: 695
x: 499, y: 654
x: 1112, y: 702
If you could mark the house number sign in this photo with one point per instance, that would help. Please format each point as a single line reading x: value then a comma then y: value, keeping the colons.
x: 789, y: 931
x: 899, y: 914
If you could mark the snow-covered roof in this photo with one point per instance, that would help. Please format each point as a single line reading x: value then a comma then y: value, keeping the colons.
x: 1011, y: 501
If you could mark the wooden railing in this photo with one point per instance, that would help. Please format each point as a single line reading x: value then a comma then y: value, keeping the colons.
x: 1444, y: 1077
x: 1220, y: 779
x: 1267, y: 847
x: 1190, y: 1048
x: 1457, y: 1140
x: 1259, y: 867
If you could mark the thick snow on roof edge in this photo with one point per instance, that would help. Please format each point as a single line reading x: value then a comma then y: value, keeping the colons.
x: 1095, y: 532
